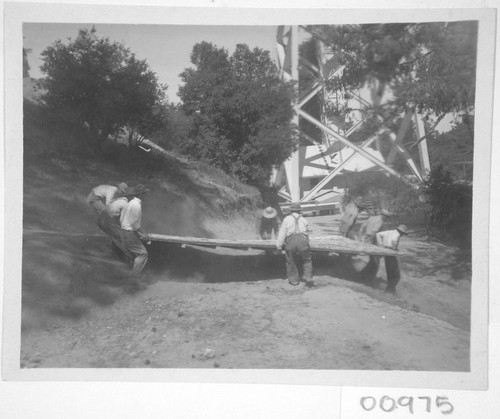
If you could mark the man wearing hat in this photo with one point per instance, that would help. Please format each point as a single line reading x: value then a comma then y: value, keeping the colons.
x: 390, y: 240
x: 350, y: 216
x: 367, y: 233
x: 131, y: 232
x: 294, y: 235
x: 102, y: 195
x: 268, y: 224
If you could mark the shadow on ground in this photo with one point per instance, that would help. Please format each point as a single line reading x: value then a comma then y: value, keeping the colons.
x: 66, y: 276
x: 202, y: 265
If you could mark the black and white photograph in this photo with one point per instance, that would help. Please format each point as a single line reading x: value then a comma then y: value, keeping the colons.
x: 272, y: 196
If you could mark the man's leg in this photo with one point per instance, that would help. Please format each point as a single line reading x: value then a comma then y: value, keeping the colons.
x: 114, y: 232
x: 369, y: 272
x: 393, y: 273
x: 307, y: 268
x: 134, y: 246
x: 291, y: 263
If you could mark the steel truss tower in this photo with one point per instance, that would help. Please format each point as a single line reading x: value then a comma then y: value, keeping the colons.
x: 336, y: 148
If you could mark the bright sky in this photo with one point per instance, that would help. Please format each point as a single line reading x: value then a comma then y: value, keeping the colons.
x: 166, y: 48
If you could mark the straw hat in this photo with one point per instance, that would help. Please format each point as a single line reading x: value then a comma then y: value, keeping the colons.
x: 402, y: 229
x: 295, y: 207
x: 269, y: 212
x: 139, y: 189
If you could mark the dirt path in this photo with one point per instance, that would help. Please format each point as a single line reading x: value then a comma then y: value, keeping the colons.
x: 223, y: 310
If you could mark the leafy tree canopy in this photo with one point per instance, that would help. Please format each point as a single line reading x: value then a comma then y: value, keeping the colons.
x: 100, y: 84
x: 241, y: 110
x: 430, y: 66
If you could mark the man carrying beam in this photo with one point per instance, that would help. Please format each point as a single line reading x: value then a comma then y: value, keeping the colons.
x: 131, y: 232
x: 390, y: 240
x: 294, y: 236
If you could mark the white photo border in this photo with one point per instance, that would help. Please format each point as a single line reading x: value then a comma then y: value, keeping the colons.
x: 18, y: 13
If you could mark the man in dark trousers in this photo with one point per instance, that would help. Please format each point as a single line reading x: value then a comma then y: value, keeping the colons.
x: 390, y: 240
x: 294, y: 235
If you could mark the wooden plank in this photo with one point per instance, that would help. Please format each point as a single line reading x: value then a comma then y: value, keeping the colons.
x: 335, y: 244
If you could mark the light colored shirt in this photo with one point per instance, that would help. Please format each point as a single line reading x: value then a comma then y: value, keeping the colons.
x: 104, y: 193
x: 291, y: 226
x: 388, y: 238
x: 115, y: 207
x: 130, y: 218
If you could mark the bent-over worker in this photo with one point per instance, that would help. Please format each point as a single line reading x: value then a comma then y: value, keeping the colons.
x: 268, y: 224
x: 101, y: 196
x: 131, y: 232
x: 294, y: 235
x: 350, y: 216
x: 390, y: 240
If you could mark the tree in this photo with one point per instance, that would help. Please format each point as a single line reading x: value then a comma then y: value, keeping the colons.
x: 428, y: 66
x: 240, y: 108
x: 454, y: 152
x: 99, y: 84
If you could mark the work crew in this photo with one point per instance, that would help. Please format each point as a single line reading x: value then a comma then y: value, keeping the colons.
x: 366, y: 234
x: 111, y: 222
x: 268, y: 224
x: 102, y: 195
x: 350, y: 216
x: 131, y: 232
x: 390, y: 240
x: 294, y: 236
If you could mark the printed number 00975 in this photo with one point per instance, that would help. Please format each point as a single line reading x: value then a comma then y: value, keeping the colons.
x: 388, y: 404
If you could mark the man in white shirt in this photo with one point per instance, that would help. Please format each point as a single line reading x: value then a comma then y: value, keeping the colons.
x: 294, y: 235
x: 390, y: 240
x: 131, y: 232
x: 111, y: 222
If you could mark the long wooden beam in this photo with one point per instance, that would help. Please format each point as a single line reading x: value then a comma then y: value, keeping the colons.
x: 327, y: 244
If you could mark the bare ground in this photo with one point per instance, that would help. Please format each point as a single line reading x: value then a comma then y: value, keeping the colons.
x: 234, y: 309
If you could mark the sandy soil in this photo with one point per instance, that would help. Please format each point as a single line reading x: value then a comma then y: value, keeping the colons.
x: 235, y: 309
